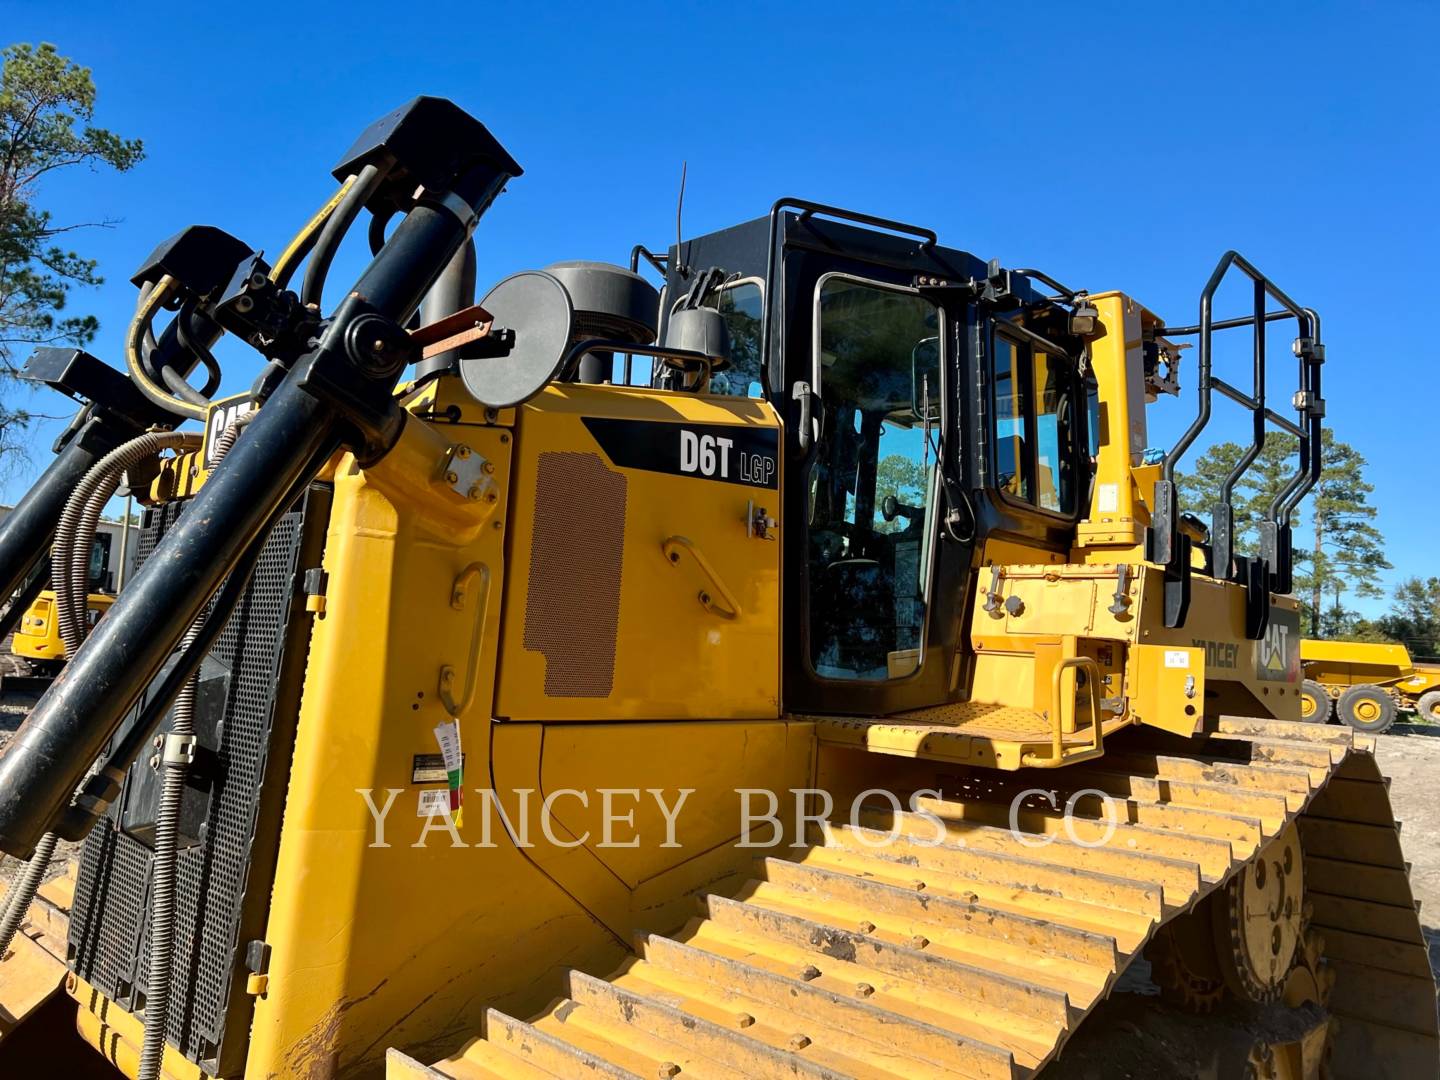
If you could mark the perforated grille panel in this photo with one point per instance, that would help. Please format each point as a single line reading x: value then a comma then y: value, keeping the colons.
x: 572, y: 603
x: 223, y: 881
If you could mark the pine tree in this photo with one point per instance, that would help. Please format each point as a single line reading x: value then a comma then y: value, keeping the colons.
x: 1334, y: 522
x: 1347, y: 550
x: 44, y: 98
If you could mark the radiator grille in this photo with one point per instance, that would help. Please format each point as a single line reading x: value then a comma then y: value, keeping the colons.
x: 572, y: 601
x: 219, y: 900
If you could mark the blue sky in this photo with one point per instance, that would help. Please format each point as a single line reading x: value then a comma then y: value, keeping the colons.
x: 1115, y: 146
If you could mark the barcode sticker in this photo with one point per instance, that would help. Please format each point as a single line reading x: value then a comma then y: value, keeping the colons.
x: 433, y: 802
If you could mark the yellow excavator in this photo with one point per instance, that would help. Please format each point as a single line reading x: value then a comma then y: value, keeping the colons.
x: 799, y: 669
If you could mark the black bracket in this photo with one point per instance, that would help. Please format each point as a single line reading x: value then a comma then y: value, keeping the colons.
x: 87, y: 378
x: 1177, y: 586
x: 356, y: 377
x: 1257, y: 597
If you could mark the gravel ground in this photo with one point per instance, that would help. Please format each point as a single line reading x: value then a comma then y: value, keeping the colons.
x: 1410, y: 756
x: 14, y: 707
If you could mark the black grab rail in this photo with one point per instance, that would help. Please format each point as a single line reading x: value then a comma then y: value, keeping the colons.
x: 1272, y: 570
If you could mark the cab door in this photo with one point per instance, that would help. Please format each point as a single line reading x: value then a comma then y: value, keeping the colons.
x: 873, y: 583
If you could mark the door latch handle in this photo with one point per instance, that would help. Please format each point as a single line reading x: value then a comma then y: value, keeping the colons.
x: 804, y: 432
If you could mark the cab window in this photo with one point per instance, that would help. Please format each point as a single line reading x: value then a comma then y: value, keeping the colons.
x: 872, y: 480
x: 1033, y: 398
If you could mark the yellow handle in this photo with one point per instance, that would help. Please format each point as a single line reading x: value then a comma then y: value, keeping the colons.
x: 1058, y: 753
x: 672, y: 547
x: 459, y: 594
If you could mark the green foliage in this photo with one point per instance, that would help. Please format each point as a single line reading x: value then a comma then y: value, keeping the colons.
x: 903, y: 477
x: 46, y: 104
x: 1345, y: 550
x: 1348, y: 550
x: 1414, y: 616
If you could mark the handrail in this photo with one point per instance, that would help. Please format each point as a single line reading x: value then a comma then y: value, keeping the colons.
x: 1058, y: 753
x: 928, y: 239
x: 700, y: 360
x: 459, y: 594
x: 671, y: 547
x: 1307, y: 429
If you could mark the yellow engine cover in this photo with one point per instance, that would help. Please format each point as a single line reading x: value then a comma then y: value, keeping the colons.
x: 641, y: 588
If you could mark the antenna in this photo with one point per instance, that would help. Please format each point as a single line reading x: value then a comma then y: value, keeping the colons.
x: 680, y: 267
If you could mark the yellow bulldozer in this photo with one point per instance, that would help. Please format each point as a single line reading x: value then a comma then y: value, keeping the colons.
x: 799, y: 669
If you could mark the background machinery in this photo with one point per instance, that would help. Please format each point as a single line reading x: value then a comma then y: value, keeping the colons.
x: 847, y: 698
x: 1365, y: 684
x: 33, y: 613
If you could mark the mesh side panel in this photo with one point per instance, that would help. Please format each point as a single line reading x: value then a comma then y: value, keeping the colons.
x: 109, y: 937
x: 572, y: 602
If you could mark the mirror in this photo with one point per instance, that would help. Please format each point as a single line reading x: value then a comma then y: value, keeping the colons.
x: 537, y: 308
x: 925, y: 380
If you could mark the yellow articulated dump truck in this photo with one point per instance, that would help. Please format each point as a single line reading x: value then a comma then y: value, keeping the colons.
x: 1365, y: 684
x: 774, y: 659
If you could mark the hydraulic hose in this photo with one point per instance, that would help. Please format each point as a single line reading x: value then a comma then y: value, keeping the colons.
x: 304, y: 240
x: 356, y: 192
x: 150, y: 302
x: 75, y: 533
x: 174, y: 765
x: 333, y: 397
x: 17, y: 903
x: 173, y: 770
x: 198, y: 349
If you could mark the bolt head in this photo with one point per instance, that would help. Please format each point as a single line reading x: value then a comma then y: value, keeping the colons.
x: 452, y: 477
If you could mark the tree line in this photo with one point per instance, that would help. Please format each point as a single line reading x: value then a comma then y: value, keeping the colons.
x: 1338, y: 549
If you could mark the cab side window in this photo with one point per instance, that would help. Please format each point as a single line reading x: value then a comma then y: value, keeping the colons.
x: 741, y: 305
x: 1033, y: 397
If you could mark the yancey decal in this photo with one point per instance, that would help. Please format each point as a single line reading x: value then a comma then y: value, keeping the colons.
x: 729, y: 453
x: 1218, y: 654
x: 1277, y: 654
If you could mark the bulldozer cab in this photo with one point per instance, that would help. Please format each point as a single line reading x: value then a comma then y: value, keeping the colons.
x: 925, y: 411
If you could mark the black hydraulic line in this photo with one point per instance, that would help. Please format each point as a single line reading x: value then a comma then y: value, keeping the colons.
x: 292, y: 434
x: 196, y: 346
x: 317, y: 269
x: 288, y: 443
